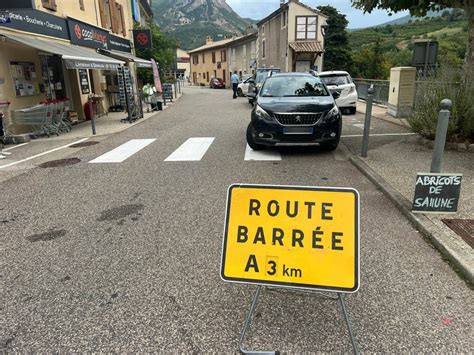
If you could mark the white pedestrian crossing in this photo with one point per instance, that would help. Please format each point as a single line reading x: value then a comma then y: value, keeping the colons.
x: 123, y: 152
x: 193, y: 149
x: 261, y: 155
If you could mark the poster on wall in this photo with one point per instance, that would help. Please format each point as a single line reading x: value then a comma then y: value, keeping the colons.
x: 84, y: 81
x: 24, y: 75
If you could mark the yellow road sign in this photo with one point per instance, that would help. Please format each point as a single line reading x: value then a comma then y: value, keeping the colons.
x: 306, y: 237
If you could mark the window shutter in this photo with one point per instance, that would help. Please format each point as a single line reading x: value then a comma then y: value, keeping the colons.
x: 81, y: 5
x: 49, y: 4
x: 113, y: 15
x: 122, y: 18
x: 103, y: 20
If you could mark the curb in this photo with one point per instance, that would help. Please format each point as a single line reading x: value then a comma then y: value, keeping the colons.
x: 456, y: 253
x: 396, y: 121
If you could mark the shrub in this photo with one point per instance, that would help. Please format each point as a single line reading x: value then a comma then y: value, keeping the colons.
x: 446, y: 84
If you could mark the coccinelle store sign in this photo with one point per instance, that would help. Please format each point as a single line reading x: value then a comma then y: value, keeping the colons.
x: 86, y: 35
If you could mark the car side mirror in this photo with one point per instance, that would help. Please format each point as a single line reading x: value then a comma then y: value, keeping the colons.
x: 335, y: 95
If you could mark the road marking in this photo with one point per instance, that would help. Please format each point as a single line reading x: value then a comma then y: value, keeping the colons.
x: 41, y: 154
x: 359, y: 125
x: 123, y: 152
x: 14, y: 147
x: 378, y: 135
x: 191, y: 150
x: 261, y: 155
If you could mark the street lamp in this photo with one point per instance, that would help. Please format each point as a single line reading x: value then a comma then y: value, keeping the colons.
x: 324, y: 28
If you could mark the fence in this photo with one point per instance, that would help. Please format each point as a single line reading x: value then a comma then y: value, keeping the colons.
x: 381, y: 88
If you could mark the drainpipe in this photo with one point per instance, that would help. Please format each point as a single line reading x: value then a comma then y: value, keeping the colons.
x: 96, y: 15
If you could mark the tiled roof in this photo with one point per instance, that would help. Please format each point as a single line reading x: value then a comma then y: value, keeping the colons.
x: 213, y: 45
x: 307, y: 47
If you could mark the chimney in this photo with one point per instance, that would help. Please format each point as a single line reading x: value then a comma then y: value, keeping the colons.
x: 209, y: 40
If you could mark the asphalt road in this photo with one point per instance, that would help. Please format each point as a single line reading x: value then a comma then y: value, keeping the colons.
x: 125, y: 257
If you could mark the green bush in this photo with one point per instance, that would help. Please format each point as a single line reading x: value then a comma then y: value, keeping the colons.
x: 446, y: 84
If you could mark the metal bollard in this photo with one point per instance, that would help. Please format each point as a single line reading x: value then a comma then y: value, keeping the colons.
x: 175, y: 90
x: 91, y: 115
x: 368, y: 117
x: 441, y: 132
x: 179, y: 85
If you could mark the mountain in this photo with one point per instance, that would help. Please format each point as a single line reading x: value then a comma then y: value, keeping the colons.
x: 406, y: 19
x: 190, y: 21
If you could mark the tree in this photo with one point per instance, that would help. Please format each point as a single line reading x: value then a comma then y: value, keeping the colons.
x: 420, y: 8
x: 163, y: 52
x: 337, y: 54
x: 371, y: 62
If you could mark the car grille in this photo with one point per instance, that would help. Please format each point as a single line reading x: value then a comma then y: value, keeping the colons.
x: 298, y: 118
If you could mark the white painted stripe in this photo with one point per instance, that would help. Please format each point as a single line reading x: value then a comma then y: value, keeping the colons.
x: 44, y: 153
x: 123, y: 152
x: 14, y: 147
x: 378, y: 135
x: 191, y: 150
x: 261, y: 155
x: 359, y: 125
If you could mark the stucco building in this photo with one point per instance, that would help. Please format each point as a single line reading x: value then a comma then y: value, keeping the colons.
x: 243, y: 54
x: 291, y: 38
x: 58, y: 49
x: 210, y: 61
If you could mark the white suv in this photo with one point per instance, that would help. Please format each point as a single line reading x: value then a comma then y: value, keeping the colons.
x: 341, y: 82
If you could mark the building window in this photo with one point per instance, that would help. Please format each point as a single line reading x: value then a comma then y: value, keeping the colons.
x: 284, y: 19
x: 49, y: 4
x: 112, y: 16
x: 207, y: 75
x: 306, y: 27
x: 213, y: 57
x: 81, y: 5
x: 195, y: 59
x: 264, y: 49
x: 224, y: 56
x: 263, y: 29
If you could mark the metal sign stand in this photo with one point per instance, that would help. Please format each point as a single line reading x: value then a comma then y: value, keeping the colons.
x: 248, y: 321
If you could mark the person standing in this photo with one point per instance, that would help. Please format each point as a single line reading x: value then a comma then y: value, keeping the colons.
x: 235, y: 83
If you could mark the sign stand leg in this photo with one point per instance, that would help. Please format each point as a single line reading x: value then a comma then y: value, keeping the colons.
x: 248, y: 321
x: 348, y: 323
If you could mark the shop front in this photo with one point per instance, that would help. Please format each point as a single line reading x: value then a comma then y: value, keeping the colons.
x: 46, y: 58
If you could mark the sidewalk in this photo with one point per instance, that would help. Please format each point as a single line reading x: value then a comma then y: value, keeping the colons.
x: 393, y: 167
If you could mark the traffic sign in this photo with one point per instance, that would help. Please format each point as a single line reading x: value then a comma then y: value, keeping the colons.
x: 289, y: 236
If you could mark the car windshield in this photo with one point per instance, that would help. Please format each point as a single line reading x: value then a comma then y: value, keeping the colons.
x: 286, y: 86
x: 340, y: 79
x: 261, y: 76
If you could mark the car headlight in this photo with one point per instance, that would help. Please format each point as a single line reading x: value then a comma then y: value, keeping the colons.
x: 333, y: 112
x: 262, y: 114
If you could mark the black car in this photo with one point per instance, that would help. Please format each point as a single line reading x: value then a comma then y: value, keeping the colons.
x: 294, y: 109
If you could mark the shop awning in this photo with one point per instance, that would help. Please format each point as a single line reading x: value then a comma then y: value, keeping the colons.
x: 141, y: 63
x: 307, y: 47
x: 75, y: 57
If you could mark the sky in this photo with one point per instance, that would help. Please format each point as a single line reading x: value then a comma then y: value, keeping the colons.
x: 258, y: 9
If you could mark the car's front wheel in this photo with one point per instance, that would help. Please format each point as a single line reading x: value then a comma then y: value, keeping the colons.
x: 251, y: 139
x: 240, y: 92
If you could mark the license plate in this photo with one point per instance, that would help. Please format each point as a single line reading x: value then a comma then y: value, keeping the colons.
x: 297, y: 130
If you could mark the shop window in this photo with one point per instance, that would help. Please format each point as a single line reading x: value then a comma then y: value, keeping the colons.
x: 49, y: 4
x: 81, y: 5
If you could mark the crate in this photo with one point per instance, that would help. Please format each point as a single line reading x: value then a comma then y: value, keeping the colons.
x: 72, y: 116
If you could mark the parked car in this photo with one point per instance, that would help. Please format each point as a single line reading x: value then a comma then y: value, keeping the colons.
x: 258, y: 79
x: 217, y: 83
x: 341, y: 82
x: 294, y: 109
x: 243, y: 87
